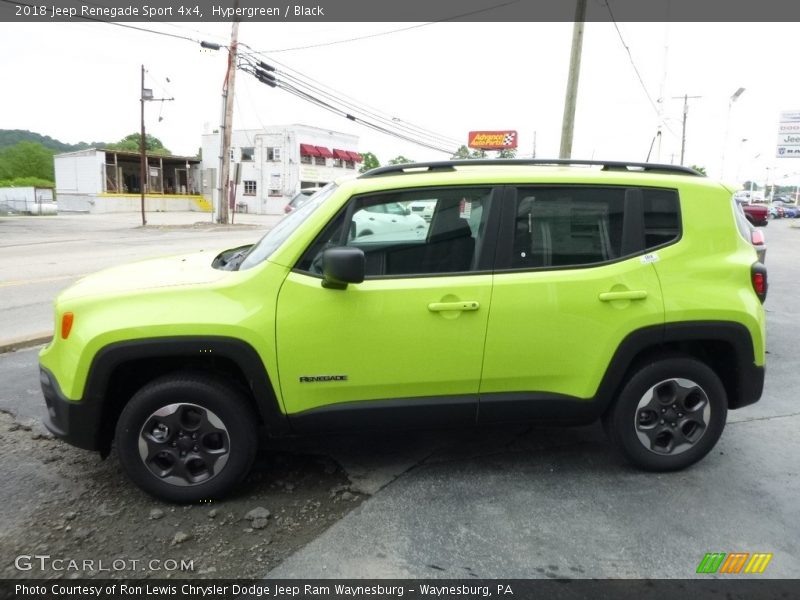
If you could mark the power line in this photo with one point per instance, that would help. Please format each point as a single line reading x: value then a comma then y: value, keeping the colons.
x: 630, y: 57
x: 636, y: 70
x: 354, y: 105
x: 288, y: 87
x: 391, y: 31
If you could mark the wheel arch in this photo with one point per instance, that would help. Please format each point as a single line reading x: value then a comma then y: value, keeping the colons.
x: 726, y: 347
x: 120, y: 369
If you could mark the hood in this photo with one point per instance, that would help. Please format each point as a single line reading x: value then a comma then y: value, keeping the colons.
x: 170, y: 271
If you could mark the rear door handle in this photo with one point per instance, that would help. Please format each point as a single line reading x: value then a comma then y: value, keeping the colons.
x: 445, y: 306
x: 627, y: 295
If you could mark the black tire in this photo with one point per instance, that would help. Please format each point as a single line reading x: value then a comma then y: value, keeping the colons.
x: 201, y: 445
x: 669, y: 415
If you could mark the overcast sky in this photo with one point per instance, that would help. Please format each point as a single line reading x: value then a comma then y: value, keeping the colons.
x: 80, y: 82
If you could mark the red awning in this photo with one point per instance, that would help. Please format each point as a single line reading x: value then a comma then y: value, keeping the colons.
x: 355, y: 156
x: 308, y: 150
x: 341, y: 154
x: 324, y: 152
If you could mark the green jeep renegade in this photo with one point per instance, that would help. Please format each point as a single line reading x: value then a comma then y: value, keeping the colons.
x: 558, y: 291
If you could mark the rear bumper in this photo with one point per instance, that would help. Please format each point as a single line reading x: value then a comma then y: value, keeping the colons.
x: 72, y: 421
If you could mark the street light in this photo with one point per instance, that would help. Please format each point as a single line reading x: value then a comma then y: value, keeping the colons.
x: 731, y: 100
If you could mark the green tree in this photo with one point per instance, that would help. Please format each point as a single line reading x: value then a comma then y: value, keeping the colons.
x: 699, y: 169
x: 507, y: 153
x: 370, y: 161
x: 27, y: 159
x: 400, y: 160
x: 463, y: 153
x: 130, y: 143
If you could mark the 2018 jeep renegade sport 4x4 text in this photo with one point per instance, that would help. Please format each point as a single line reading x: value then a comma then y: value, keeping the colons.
x: 536, y: 291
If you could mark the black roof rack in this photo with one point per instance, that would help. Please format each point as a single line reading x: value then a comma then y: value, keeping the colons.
x: 450, y: 165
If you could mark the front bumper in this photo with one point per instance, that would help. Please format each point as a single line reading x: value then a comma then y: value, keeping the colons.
x: 75, y: 422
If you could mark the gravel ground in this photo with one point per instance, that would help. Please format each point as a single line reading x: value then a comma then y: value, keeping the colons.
x: 84, y: 509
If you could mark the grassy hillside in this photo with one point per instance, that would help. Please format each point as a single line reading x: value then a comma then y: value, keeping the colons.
x: 9, y: 137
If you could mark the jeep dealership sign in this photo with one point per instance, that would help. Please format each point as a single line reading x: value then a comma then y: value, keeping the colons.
x: 789, y: 135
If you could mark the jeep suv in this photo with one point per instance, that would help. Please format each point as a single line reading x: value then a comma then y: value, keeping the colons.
x: 557, y: 291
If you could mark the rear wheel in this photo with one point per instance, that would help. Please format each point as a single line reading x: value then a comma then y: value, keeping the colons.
x: 669, y: 414
x: 187, y: 437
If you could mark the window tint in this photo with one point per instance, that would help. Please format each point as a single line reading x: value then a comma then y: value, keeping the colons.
x: 557, y: 227
x: 397, y: 240
x: 574, y: 226
x: 661, y: 217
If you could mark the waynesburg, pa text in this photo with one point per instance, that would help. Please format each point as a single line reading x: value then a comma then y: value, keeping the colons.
x: 261, y: 590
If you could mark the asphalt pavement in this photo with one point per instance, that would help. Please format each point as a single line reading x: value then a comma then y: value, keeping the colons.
x: 40, y: 256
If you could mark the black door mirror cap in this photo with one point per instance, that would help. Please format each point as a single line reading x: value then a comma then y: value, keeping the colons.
x: 341, y: 266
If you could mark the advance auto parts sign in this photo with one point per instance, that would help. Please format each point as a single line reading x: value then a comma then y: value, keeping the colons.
x: 492, y: 140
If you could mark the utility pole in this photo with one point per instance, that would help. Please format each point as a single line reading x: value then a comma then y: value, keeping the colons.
x: 568, y: 122
x: 143, y: 151
x: 534, y: 144
x: 227, y: 124
x: 146, y: 95
x: 685, y: 115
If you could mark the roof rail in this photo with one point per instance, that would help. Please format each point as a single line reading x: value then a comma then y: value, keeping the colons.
x: 450, y: 165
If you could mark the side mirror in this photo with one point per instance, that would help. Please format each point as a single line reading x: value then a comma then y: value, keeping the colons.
x: 341, y: 266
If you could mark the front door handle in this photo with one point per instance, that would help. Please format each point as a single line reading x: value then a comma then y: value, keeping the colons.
x: 445, y: 306
x: 626, y: 295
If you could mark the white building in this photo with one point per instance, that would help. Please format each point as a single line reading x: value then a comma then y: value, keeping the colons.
x: 100, y: 180
x: 276, y: 162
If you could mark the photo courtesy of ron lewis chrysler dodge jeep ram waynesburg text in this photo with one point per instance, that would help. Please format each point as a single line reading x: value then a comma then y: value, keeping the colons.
x: 557, y: 291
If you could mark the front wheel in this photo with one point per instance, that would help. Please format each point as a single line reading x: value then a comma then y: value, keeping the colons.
x: 187, y: 437
x: 669, y: 414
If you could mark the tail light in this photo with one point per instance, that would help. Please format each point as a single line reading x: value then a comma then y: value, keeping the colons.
x: 758, y: 276
x: 757, y: 237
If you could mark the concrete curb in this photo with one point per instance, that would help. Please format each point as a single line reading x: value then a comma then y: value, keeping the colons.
x: 26, y: 341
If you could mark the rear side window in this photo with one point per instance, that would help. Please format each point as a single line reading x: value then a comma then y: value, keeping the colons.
x: 577, y: 226
x: 661, y: 217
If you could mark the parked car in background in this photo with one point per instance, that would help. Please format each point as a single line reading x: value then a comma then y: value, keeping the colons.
x: 752, y: 233
x: 790, y: 211
x: 757, y: 214
x: 775, y: 211
x: 390, y: 217
x: 300, y: 198
x: 423, y: 208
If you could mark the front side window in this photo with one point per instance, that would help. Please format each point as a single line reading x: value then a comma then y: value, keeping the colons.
x: 285, y: 227
x: 398, y: 241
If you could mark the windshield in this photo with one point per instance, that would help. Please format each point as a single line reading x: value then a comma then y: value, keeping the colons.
x: 285, y: 227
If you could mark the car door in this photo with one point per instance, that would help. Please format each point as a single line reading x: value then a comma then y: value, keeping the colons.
x: 404, y: 346
x: 575, y: 277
